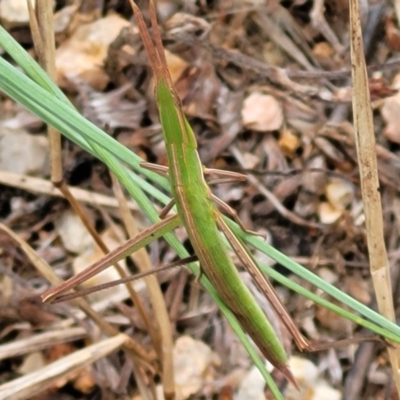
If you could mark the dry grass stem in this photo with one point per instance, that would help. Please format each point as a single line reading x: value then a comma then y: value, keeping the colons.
x: 367, y: 161
x: 43, y: 186
x: 36, y: 382
x: 163, y: 323
x: 41, y: 341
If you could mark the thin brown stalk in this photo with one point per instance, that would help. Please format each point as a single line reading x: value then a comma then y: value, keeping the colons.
x: 42, y: 27
x: 34, y: 383
x: 165, y: 347
x: 40, y: 341
x: 367, y: 161
x: 43, y: 186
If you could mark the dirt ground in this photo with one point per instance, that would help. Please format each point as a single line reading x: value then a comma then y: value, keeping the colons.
x: 266, y: 87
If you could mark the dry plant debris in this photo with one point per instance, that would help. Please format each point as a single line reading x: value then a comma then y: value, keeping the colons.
x: 266, y: 87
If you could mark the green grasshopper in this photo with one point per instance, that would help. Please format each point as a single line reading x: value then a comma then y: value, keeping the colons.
x: 201, y: 218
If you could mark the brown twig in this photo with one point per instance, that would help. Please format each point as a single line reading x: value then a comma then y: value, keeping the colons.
x: 367, y: 161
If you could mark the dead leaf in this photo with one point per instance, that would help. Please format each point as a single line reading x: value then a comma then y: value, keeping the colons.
x: 392, y: 33
x: 29, y: 159
x: 358, y: 288
x: 391, y: 114
x: 32, y: 362
x: 84, y: 382
x: 176, y: 65
x: 288, y: 142
x: 327, y: 213
x: 32, y: 309
x: 193, y: 364
x: 339, y: 193
x: 83, y: 54
x: 73, y: 233
x: 262, y: 112
x: 13, y: 13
